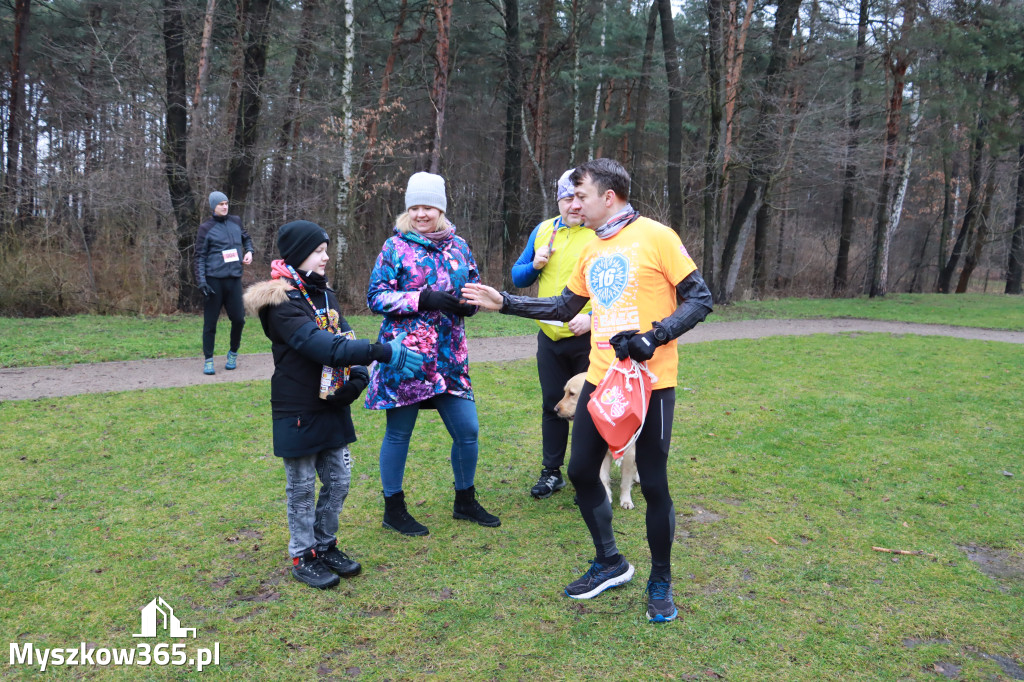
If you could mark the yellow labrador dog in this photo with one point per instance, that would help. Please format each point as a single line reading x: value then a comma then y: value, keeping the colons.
x: 566, y: 409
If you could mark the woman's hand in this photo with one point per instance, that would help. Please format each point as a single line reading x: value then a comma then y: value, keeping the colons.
x: 483, y: 296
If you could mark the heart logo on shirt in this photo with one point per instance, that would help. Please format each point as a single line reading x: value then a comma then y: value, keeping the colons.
x: 608, y: 278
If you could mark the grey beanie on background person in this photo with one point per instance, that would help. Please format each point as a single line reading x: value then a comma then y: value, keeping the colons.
x: 299, y: 238
x: 216, y: 198
x: 426, y: 189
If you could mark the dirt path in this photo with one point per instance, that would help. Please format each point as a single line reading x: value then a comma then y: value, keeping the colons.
x: 29, y: 383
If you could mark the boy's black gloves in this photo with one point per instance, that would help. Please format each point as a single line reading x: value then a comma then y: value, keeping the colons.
x: 347, y: 394
x: 632, y: 344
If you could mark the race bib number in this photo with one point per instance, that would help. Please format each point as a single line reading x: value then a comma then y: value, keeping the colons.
x: 230, y: 255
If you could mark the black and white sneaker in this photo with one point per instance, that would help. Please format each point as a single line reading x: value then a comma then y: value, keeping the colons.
x: 660, y: 607
x: 599, y: 578
x: 550, y: 481
x: 310, y: 570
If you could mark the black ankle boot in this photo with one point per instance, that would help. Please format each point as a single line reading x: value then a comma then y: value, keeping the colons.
x: 397, y: 517
x: 466, y: 507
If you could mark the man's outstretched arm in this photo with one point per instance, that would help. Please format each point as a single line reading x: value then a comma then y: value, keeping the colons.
x: 563, y: 307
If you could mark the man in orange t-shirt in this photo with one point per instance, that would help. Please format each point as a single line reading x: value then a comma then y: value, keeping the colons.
x: 645, y: 292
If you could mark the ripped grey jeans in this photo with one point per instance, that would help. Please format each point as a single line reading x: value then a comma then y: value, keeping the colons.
x: 316, y: 526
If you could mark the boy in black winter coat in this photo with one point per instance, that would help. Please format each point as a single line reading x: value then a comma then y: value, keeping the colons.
x: 310, y: 395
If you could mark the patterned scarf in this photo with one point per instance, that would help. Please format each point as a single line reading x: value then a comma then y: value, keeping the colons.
x: 618, y: 221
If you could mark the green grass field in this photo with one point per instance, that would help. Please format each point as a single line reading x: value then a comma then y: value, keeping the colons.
x: 93, y: 338
x: 792, y: 458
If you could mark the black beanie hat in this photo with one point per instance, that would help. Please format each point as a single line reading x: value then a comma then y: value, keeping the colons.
x: 299, y: 238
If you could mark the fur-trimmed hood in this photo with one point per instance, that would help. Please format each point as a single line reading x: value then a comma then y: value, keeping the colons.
x: 264, y: 294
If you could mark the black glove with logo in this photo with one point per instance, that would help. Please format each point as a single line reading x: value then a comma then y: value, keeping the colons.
x: 206, y: 289
x: 632, y: 344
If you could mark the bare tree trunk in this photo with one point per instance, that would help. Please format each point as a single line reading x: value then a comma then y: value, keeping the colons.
x: 576, y: 103
x: 762, y: 223
x: 895, y: 210
x: 714, y: 160
x: 898, y: 61
x: 345, y: 209
x: 204, y: 61
x: 243, y: 160
x: 950, y: 202
x: 675, y: 117
x: 764, y: 151
x: 1015, y: 265
x: 840, y: 281
x: 439, y: 94
x: 230, y: 114
x: 9, y: 205
x: 735, y: 45
x: 278, y: 210
x: 175, y: 148
x: 643, y: 90
x: 974, y: 195
x: 542, y: 75
x: 600, y: 82
x: 980, y: 239
x: 545, y: 193
x: 511, y: 209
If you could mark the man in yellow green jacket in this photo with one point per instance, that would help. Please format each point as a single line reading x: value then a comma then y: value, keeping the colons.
x: 563, y: 348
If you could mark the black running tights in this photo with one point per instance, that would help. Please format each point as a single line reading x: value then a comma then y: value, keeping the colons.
x: 588, y: 450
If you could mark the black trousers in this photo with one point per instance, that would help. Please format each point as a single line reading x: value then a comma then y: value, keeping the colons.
x: 227, y: 293
x: 557, y: 362
x: 588, y: 450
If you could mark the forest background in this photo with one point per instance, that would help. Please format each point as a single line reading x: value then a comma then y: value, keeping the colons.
x: 804, y: 147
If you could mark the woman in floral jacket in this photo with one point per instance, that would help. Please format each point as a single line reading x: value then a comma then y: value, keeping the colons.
x: 412, y: 285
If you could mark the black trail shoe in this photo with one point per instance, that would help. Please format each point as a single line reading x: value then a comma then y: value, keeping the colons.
x: 548, y: 484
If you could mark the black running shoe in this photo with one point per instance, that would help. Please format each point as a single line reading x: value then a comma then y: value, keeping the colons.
x: 339, y: 562
x: 310, y: 570
x: 550, y: 481
x: 660, y: 608
x: 599, y: 578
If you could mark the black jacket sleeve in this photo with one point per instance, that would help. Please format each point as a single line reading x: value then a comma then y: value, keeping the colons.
x: 563, y: 307
x: 200, y: 255
x: 696, y: 304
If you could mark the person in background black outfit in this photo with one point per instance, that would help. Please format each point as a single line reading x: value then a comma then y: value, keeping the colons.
x: 222, y: 247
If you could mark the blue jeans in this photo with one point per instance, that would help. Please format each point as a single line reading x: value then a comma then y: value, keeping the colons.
x: 459, y: 417
x: 316, y: 527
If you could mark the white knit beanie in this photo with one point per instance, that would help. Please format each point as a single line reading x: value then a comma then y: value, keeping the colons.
x: 426, y: 189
